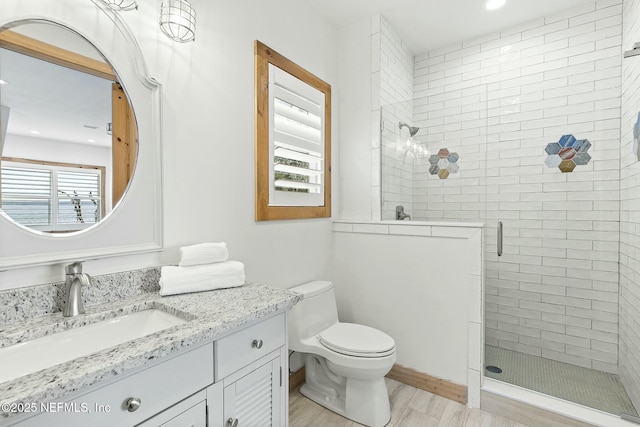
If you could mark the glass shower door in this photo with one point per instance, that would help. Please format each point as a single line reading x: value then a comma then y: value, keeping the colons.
x: 551, y: 296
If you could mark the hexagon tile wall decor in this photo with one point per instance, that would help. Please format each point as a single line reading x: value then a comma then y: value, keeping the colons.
x: 444, y: 163
x: 567, y: 153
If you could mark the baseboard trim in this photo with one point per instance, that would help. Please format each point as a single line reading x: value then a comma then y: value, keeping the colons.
x: 408, y: 376
x: 524, y: 413
x: 444, y: 388
x: 296, y: 379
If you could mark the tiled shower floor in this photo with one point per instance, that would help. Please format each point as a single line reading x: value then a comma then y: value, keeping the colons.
x: 596, y: 389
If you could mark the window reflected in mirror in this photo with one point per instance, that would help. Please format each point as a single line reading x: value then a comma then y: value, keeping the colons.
x: 50, y: 196
x: 68, y: 135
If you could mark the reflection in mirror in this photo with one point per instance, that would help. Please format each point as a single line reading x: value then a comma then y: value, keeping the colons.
x: 68, y: 136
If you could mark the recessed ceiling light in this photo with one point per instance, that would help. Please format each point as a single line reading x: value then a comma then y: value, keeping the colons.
x: 494, y: 4
x: 35, y: 132
x: 91, y: 140
x: 3, y: 82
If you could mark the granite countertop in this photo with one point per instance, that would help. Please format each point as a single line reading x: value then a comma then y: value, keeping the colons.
x: 209, y: 315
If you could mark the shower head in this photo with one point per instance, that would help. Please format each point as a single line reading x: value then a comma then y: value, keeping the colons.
x: 412, y: 129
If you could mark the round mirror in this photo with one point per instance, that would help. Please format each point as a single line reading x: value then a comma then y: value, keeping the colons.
x: 68, y: 135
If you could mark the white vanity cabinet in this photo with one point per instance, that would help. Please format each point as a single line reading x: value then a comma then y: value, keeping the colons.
x: 134, y: 398
x: 239, y: 380
x: 252, y: 365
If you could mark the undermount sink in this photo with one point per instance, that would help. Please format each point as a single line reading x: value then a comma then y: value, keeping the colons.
x: 50, y: 350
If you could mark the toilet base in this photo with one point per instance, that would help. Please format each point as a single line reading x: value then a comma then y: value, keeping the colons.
x: 363, y: 401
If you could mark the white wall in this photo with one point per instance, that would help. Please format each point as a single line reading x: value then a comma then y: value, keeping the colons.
x: 357, y: 135
x: 410, y: 281
x: 554, y: 292
x: 25, y: 147
x: 630, y: 211
x: 208, y: 161
x: 396, y: 168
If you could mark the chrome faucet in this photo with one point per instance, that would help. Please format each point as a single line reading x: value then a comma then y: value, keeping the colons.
x: 400, y: 214
x: 75, y: 279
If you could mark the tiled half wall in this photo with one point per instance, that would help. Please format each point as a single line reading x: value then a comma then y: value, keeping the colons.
x: 421, y: 283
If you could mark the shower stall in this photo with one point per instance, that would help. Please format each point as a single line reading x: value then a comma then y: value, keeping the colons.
x: 534, y: 136
x: 551, y: 297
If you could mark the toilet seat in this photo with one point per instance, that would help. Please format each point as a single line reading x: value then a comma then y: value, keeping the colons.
x: 357, y: 340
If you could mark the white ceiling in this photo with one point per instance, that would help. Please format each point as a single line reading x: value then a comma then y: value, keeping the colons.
x: 60, y: 103
x: 425, y: 25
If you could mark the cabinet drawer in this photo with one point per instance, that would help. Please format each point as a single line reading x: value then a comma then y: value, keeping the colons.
x: 248, y: 345
x: 190, y: 412
x: 157, y: 388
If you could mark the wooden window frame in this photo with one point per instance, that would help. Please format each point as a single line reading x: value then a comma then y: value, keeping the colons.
x: 263, y: 57
x: 38, y: 49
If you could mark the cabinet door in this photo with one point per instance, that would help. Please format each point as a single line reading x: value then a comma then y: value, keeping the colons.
x: 254, y: 399
x: 193, y: 417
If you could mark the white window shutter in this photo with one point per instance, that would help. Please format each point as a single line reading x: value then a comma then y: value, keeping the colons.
x: 78, y: 197
x: 26, y: 194
x: 296, y: 141
x: 50, y: 197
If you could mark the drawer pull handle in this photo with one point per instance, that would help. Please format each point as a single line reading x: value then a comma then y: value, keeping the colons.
x: 256, y: 344
x: 133, y: 404
x: 232, y: 422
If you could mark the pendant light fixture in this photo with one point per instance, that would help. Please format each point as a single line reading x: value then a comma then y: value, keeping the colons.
x: 178, y: 20
x: 121, y: 4
x: 177, y: 17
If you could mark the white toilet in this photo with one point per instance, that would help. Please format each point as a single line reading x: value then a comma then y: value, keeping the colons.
x: 345, y: 363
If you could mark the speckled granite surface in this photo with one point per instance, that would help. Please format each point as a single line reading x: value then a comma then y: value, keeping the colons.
x: 211, y: 315
x: 18, y: 305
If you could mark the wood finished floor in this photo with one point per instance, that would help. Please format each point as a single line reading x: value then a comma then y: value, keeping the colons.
x: 410, y: 407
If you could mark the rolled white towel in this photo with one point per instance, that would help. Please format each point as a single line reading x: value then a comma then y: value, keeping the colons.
x: 197, y: 278
x: 203, y: 253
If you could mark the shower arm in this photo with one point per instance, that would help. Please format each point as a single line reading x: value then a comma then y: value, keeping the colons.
x: 412, y: 129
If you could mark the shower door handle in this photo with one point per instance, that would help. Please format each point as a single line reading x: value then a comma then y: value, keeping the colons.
x: 499, y: 238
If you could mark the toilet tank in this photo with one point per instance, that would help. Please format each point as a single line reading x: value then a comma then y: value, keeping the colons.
x: 315, y: 313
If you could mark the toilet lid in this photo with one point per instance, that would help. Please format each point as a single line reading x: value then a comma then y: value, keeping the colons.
x: 357, y: 340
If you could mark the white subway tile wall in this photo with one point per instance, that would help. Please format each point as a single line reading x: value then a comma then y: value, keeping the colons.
x: 498, y: 101
x: 397, y: 163
x: 629, y: 346
x: 394, y: 64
